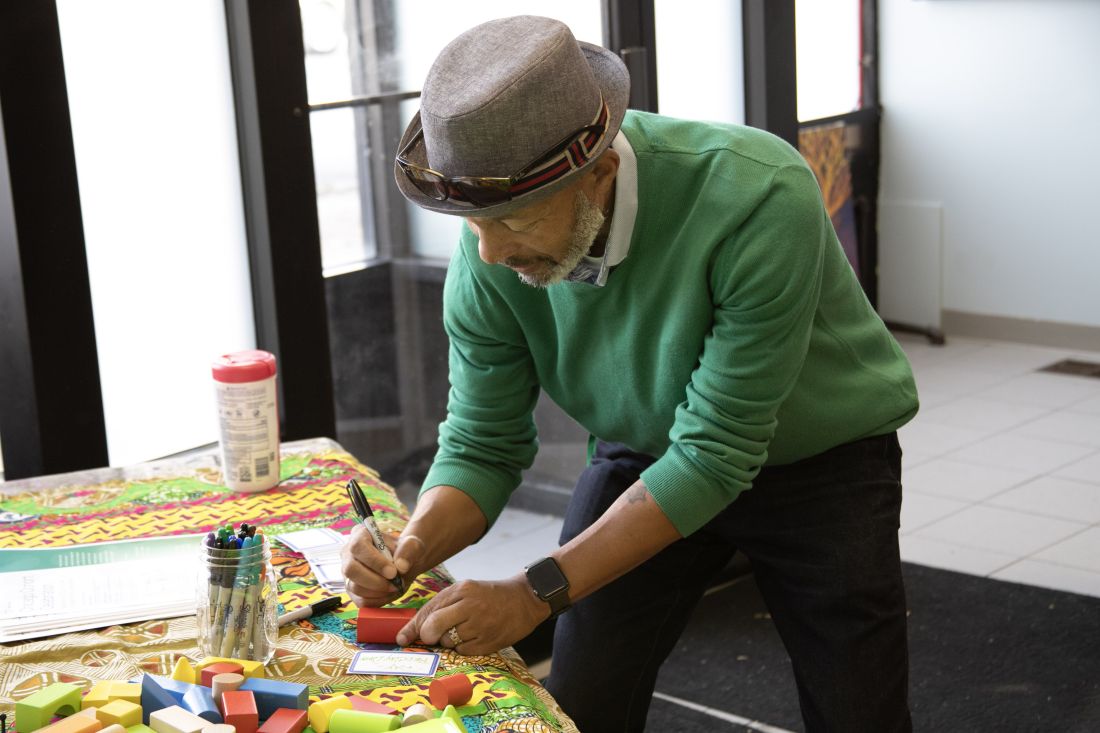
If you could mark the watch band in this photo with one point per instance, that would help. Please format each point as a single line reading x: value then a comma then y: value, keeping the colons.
x: 549, y: 584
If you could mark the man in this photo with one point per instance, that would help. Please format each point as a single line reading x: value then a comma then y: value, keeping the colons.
x: 677, y: 288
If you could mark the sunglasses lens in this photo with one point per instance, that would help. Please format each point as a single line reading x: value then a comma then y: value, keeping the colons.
x: 427, y: 182
x: 482, y: 192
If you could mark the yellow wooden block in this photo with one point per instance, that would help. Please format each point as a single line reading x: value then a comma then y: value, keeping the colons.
x: 184, y: 672
x: 251, y: 668
x: 97, y: 696
x: 121, y: 712
x: 128, y: 691
x: 320, y: 712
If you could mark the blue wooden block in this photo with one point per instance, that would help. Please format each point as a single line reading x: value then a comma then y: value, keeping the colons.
x: 274, y: 694
x: 153, y: 697
x: 200, y: 701
x: 174, y: 687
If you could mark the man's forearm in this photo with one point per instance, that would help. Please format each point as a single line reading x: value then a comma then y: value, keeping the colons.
x: 446, y: 520
x: 632, y: 530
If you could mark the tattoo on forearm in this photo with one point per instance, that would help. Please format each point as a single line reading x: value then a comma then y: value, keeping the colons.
x: 636, y: 493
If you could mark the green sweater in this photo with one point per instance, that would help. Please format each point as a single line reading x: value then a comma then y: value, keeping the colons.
x: 734, y: 335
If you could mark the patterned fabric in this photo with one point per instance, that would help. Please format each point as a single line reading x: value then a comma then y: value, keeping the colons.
x: 186, y: 497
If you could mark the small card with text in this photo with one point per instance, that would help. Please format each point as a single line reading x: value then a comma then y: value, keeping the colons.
x: 394, y: 663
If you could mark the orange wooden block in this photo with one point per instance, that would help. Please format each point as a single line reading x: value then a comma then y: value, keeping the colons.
x: 285, y: 720
x: 455, y: 689
x: 380, y: 625
x: 239, y: 710
x: 209, y: 673
x: 74, y: 724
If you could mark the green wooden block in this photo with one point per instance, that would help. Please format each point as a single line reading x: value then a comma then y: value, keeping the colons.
x: 34, y: 712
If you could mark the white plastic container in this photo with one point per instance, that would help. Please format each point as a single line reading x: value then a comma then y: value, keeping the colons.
x: 248, y: 419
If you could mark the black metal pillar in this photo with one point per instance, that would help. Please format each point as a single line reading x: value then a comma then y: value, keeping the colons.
x: 771, y: 96
x: 268, y: 63
x: 51, y: 405
x: 629, y: 29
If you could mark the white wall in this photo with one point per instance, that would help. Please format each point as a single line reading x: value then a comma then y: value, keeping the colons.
x: 989, y: 139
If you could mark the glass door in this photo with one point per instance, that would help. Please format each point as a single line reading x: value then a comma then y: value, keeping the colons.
x: 385, y: 260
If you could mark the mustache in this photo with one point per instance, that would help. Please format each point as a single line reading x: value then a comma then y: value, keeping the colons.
x: 518, y: 262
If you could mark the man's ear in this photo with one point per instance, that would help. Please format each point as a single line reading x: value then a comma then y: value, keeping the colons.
x: 601, y: 178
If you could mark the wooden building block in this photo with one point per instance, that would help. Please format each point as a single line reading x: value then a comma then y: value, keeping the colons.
x: 455, y: 689
x: 173, y: 687
x: 96, y: 696
x: 140, y: 729
x: 155, y: 697
x: 450, y: 712
x: 274, y: 694
x: 184, y: 672
x: 239, y: 710
x: 176, y: 720
x: 219, y: 728
x: 285, y: 720
x: 417, y: 713
x: 356, y: 721
x: 73, y: 724
x: 370, y: 706
x: 380, y: 625
x: 251, y: 668
x: 128, y: 691
x: 35, y: 711
x: 121, y: 712
x: 223, y: 682
x: 208, y: 673
x: 113, y: 728
x: 200, y: 701
x: 438, y: 725
x: 321, y: 712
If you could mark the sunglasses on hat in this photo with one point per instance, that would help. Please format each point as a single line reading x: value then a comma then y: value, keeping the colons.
x: 568, y: 154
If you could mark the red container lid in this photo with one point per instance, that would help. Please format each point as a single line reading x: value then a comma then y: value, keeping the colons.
x: 244, y: 366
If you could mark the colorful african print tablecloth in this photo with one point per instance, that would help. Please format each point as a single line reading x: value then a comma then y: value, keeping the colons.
x: 187, y: 497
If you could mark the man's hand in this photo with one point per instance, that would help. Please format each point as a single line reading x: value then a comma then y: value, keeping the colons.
x: 369, y: 573
x: 486, y: 616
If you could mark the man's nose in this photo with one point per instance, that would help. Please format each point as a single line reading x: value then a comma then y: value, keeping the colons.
x: 493, y: 247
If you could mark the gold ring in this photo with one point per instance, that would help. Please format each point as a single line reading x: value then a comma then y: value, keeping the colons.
x: 453, y: 633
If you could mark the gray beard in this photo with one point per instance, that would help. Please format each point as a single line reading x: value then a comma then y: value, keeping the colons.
x: 588, y: 221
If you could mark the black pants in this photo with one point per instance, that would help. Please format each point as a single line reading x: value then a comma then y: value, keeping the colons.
x: 821, y: 535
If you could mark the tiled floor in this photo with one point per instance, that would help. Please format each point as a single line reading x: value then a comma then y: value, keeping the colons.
x: 1002, y: 472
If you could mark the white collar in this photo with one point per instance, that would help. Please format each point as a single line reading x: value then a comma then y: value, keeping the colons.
x: 622, y: 220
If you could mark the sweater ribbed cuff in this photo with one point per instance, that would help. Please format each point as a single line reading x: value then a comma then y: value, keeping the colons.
x: 488, y: 489
x: 683, y: 492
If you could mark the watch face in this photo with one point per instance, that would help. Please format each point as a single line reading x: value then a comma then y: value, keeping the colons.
x: 546, y: 578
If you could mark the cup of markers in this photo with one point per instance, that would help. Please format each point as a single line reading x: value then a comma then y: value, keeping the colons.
x: 237, y: 601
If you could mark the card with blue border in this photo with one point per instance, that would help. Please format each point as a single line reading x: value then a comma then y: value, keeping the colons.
x: 394, y: 663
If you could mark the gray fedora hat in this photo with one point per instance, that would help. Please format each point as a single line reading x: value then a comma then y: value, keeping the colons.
x: 498, y: 98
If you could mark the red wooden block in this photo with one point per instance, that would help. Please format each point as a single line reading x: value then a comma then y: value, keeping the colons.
x: 209, y: 673
x: 370, y: 706
x: 285, y: 720
x: 239, y: 710
x: 380, y: 625
x: 455, y: 689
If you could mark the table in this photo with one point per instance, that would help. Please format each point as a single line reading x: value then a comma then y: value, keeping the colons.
x: 185, y: 496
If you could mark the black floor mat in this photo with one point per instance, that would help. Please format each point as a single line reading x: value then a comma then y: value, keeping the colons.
x: 984, y: 655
